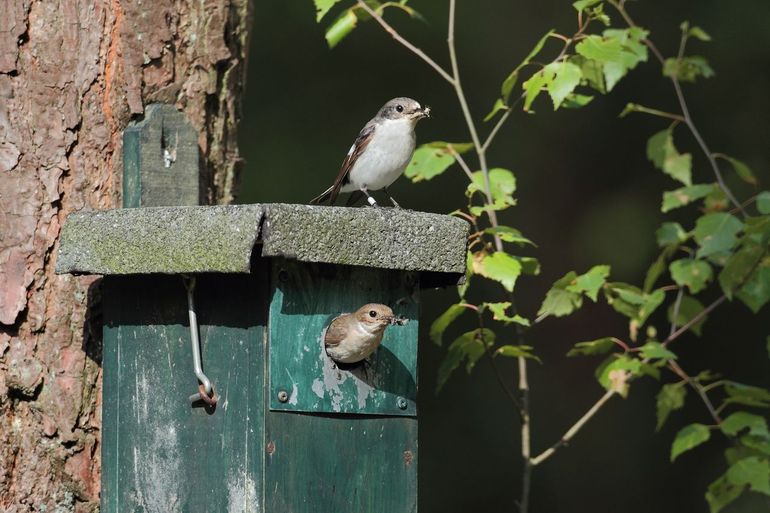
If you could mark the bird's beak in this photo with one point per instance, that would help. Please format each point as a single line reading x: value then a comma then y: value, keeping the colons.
x: 421, y: 113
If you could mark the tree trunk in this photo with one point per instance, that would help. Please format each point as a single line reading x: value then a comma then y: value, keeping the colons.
x: 72, y: 75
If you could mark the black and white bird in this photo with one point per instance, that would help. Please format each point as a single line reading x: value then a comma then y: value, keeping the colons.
x: 380, y: 153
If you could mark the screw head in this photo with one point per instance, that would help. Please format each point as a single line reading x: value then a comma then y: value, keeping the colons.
x: 283, y: 276
x: 402, y: 404
x: 283, y: 396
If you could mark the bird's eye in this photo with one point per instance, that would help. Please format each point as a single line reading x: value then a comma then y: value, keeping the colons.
x: 400, y: 108
x: 372, y: 313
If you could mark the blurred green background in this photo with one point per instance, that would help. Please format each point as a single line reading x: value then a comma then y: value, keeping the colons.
x: 587, y: 195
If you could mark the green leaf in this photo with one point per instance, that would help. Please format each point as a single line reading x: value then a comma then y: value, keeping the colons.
x: 760, y: 444
x: 501, y: 267
x: 322, y: 7
x: 670, y: 234
x: 752, y: 471
x: 658, y: 268
x: 747, y: 395
x: 687, y: 69
x: 741, y: 420
x: 670, y: 398
x: 742, y: 170
x: 684, y: 196
x: 756, y: 292
x: 469, y: 346
x: 688, y: 438
x: 566, y: 79
x: 576, y: 101
x: 499, y: 314
x: 633, y: 51
x: 689, y: 308
x: 510, y: 81
x: 432, y: 159
x: 721, y: 493
x: 559, y: 301
x: 566, y: 294
x: 529, y: 265
x: 695, y: 274
x: 590, y: 282
x: 510, y: 351
x: 633, y: 303
x: 502, y: 185
x: 592, y: 71
x: 716, y: 232
x: 536, y: 84
x: 443, y: 321
x: 655, y: 350
x: 763, y: 202
x: 738, y: 267
x: 698, y: 33
x: 662, y: 152
x: 342, y: 26
x: 497, y: 107
x: 600, y: 49
x: 612, y: 372
x: 508, y: 234
x: 598, y: 346
x: 582, y: 5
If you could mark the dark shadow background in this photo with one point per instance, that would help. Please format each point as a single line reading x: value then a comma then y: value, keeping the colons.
x: 587, y: 195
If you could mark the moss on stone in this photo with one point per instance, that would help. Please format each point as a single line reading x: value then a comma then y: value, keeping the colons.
x: 221, y: 239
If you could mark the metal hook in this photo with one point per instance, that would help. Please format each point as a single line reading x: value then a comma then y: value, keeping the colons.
x: 206, y: 389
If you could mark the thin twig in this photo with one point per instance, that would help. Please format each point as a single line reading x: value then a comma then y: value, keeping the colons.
x: 390, y: 30
x: 501, y: 381
x: 526, y: 442
x: 674, y: 366
x: 675, y: 312
x: 695, y: 320
x: 460, y: 160
x: 683, y: 105
x: 469, y: 120
x: 571, y: 432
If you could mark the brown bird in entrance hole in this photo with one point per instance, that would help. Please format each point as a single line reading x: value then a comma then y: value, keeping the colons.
x: 352, y: 337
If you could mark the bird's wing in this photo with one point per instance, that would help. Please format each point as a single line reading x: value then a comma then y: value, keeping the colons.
x: 335, y: 333
x: 362, y: 141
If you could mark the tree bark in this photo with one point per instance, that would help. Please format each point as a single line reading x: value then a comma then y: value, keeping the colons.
x: 72, y: 75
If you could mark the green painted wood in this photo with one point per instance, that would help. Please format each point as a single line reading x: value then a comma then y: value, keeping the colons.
x: 160, y: 160
x: 322, y: 463
x: 159, y: 453
x: 305, y: 299
x: 337, y: 462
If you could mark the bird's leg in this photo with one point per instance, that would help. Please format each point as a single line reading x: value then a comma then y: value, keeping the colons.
x: 369, y: 198
x: 395, y: 204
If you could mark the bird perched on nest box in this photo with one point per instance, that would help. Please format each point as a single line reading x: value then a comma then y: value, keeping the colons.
x: 380, y: 153
x: 352, y: 337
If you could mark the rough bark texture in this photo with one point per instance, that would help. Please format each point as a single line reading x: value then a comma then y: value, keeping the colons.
x: 72, y: 75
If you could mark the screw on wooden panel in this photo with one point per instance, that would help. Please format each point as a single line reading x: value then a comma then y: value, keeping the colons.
x: 270, y: 448
x: 402, y: 403
x: 283, y: 276
x: 283, y: 396
x: 161, y: 160
x: 408, y: 457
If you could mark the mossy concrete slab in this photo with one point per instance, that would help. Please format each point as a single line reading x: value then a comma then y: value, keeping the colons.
x: 385, y: 238
x: 175, y: 240
x: 160, y: 240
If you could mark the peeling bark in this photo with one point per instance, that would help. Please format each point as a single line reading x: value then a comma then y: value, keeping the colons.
x: 72, y: 75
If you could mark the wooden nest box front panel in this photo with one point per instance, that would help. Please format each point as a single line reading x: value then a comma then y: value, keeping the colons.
x: 290, y: 431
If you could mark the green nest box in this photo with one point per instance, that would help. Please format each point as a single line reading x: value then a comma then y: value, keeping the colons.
x: 289, y: 431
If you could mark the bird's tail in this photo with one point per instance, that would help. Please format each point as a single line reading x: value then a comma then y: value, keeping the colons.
x: 325, y: 195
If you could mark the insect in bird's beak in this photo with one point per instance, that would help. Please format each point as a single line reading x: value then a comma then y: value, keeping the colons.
x: 397, y: 319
